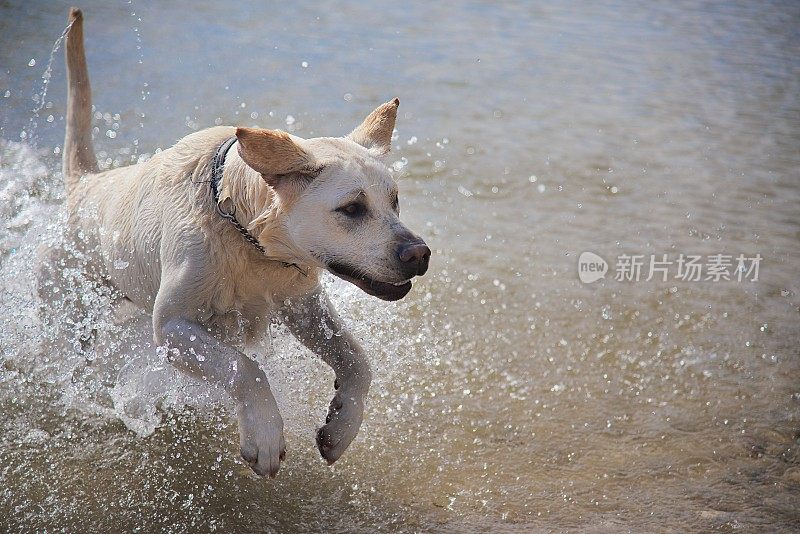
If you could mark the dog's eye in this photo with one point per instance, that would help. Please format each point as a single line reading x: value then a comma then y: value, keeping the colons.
x: 353, y: 210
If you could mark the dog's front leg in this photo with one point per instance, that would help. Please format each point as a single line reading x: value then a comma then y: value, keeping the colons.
x: 193, y: 350
x: 314, y: 322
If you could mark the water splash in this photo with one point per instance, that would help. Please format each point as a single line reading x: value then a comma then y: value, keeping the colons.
x: 144, y: 91
x: 41, y: 97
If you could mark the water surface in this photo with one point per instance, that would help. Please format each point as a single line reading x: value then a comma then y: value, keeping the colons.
x: 508, y: 395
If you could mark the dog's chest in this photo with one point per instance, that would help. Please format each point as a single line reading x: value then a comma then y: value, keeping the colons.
x: 242, y: 303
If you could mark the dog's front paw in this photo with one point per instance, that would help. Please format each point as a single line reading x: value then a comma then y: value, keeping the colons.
x: 341, y: 425
x: 261, y: 438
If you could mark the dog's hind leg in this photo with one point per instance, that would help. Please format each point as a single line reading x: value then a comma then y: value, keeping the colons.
x: 193, y: 350
x: 314, y: 322
x: 70, y: 297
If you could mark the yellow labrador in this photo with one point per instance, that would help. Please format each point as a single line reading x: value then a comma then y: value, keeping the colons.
x: 231, y: 228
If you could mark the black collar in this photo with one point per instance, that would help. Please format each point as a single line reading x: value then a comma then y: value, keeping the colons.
x: 217, y: 166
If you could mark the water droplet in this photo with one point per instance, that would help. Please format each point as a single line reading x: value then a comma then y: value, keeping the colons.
x: 32, y: 62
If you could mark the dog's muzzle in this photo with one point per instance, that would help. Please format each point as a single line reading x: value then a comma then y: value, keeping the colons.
x: 414, y: 257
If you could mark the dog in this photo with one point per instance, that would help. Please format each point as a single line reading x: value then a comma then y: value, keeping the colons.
x: 231, y: 228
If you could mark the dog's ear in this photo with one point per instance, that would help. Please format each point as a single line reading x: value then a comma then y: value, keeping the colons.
x: 272, y: 153
x: 375, y: 133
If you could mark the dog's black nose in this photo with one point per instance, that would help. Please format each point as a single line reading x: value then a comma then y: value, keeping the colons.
x: 416, y: 255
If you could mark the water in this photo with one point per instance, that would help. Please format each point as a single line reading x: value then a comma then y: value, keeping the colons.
x: 508, y: 395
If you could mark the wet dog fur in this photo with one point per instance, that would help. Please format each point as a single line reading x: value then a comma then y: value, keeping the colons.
x: 313, y: 205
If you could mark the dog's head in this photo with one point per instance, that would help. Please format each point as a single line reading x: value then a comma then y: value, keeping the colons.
x: 338, y: 204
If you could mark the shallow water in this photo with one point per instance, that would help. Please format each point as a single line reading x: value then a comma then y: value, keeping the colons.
x: 508, y: 395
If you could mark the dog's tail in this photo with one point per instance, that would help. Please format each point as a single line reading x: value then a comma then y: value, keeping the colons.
x: 78, y: 155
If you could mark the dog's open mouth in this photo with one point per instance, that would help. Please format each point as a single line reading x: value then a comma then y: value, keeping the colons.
x: 382, y: 290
